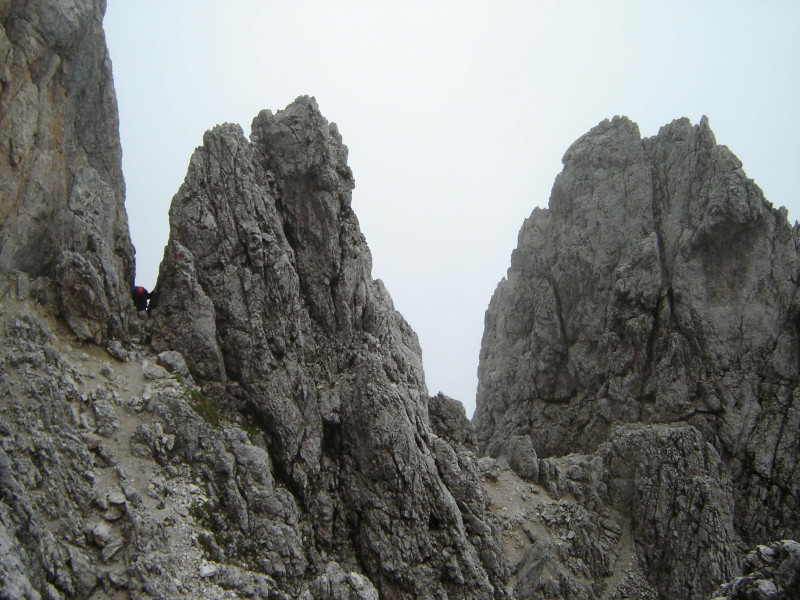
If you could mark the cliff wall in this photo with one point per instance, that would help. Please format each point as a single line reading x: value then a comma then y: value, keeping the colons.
x: 266, y: 432
x: 659, y: 289
x: 62, y: 212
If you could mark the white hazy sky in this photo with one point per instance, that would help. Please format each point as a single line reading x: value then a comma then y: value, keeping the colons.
x: 456, y: 115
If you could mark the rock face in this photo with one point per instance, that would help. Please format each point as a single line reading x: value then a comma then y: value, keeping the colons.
x: 112, y: 475
x: 307, y: 465
x: 771, y: 572
x: 277, y: 440
x: 658, y: 288
x: 61, y: 186
x: 621, y: 522
x: 266, y: 289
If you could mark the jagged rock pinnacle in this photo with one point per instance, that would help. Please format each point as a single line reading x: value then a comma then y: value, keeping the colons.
x: 266, y: 288
x: 638, y: 379
x: 659, y: 287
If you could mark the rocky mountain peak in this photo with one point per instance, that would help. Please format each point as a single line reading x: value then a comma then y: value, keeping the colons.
x: 266, y: 289
x: 659, y: 287
x: 265, y: 430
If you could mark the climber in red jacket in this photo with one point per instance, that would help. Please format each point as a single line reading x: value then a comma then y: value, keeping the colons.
x: 140, y: 297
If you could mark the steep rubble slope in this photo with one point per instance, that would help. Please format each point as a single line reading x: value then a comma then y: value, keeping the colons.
x: 266, y: 289
x: 659, y: 287
x: 109, y: 476
x: 61, y: 188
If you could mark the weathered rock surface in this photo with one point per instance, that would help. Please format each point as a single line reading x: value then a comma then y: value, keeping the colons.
x: 80, y: 513
x: 123, y: 483
x: 648, y: 325
x: 266, y: 289
x: 771, y: 572
x: 621, y: 522
x: 61, y: 188
x: 672, y: 487
x: 338, y: 585
x: 658, y: 288
x: 267, y: 292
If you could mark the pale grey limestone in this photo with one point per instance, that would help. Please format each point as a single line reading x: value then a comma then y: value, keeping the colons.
x: 62, y: 213
x: 179, y: 493
x: 658, y: 289
x: 771, y: 572
x: 266, y: 289
x: 638, y: 374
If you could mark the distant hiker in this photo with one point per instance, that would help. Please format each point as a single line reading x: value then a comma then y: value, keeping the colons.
x: 140, y: 297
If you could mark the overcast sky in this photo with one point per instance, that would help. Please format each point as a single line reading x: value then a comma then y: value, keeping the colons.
x: 456, y: 115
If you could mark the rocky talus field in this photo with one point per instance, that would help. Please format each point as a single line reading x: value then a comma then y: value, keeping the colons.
x: 265, y: 430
